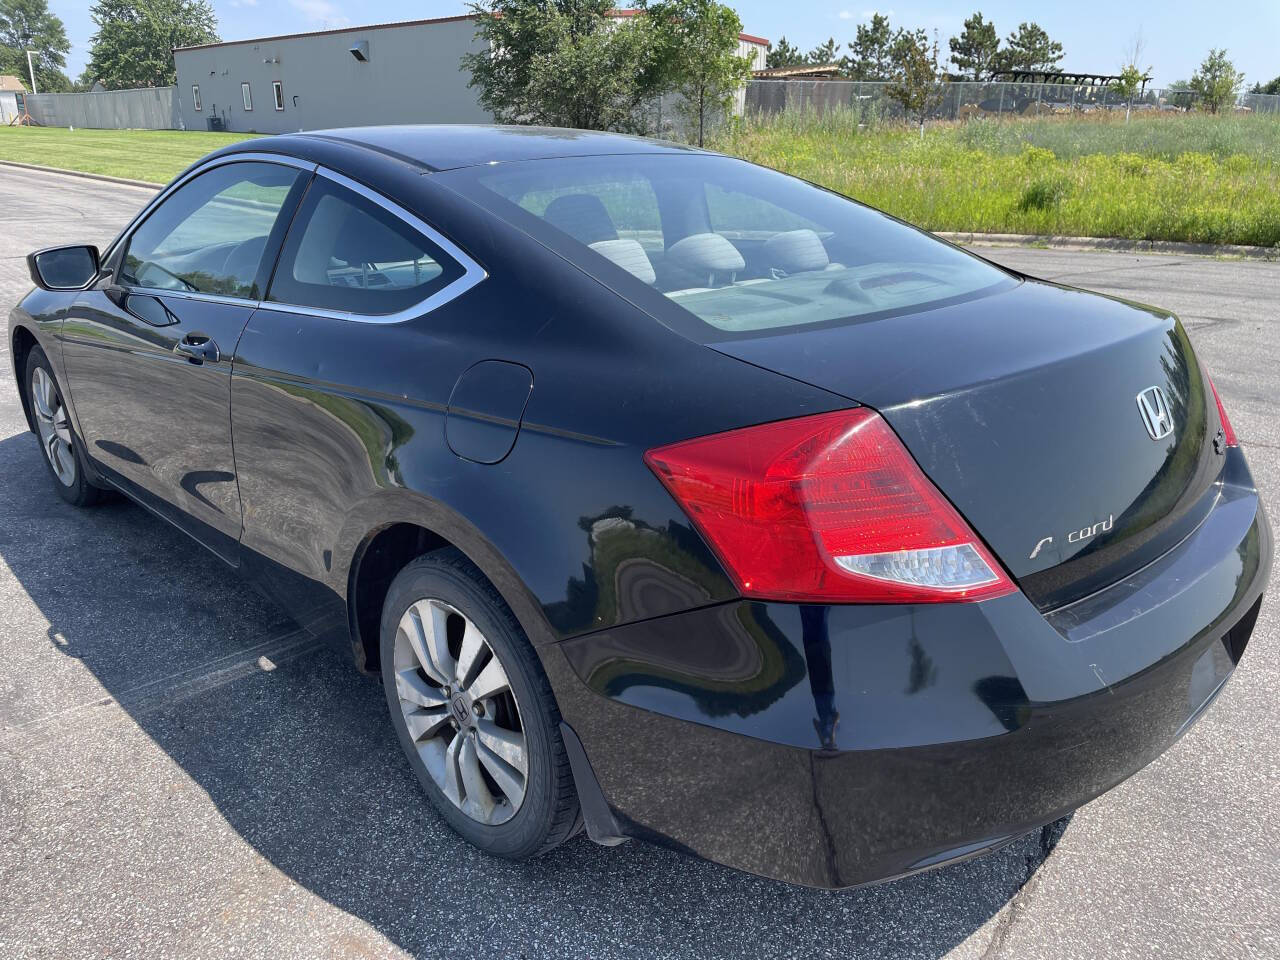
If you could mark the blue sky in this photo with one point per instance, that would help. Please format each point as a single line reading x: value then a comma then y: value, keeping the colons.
x: 1095, y: 33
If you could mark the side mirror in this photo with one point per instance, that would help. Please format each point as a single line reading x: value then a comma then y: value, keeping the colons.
x: 63, y: 268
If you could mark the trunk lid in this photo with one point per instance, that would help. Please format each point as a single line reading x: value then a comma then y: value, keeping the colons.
x: 1023, y: 407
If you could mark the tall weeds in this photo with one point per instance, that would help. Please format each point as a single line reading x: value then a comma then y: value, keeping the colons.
x: 1164, y: 177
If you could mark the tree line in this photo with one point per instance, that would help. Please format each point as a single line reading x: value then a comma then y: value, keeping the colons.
x: 915, y: 71
x: 877, y: 51
x: 131, y: 46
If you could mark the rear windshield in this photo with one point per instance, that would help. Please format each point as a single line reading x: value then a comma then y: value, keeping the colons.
x: 743, y: 249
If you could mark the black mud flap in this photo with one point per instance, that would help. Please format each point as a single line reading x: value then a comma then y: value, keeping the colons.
x: 599, y: 819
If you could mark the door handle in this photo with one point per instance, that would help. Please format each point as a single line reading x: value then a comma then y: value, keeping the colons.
x: 198, y: 348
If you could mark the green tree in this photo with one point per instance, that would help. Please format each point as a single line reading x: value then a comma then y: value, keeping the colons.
x: 1180, y: 94
x: 975, y: 50
x: 1217, y: 83
x: 871, y: 53
x: 1132, y: 77
x: 783, y: 54
x: 1128, y: 86
x: 1129, y: 83
x: 824, y: 53
x: 1272, y: 88
x: 564, y: 63
x: 1029, y: 48
x: 697, y: 44
x: 135, y: 40
x: 28, y: 25
x: 919, y: 78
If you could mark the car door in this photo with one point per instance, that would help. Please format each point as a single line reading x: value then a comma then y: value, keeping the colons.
x: 150, y: 348
x: 346, y: 361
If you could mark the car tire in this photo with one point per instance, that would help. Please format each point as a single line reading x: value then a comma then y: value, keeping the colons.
x: 439, y: 609
x: 61, y: 449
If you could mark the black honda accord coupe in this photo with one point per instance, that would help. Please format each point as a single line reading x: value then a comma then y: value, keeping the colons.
x: 671, y: 497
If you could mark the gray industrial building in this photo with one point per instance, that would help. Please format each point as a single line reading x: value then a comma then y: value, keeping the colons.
x: 383, y: 73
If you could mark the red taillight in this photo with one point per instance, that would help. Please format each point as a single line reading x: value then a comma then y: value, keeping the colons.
x: 828, y: 509
x: 1228, y: 434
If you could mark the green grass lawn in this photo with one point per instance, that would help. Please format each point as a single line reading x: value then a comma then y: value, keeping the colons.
x: 153, y: 155
x: 1188, y: 177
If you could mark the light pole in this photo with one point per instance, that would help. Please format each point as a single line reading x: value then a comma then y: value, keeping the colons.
x: 32, y: 70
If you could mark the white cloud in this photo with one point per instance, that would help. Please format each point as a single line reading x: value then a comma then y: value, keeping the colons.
x: 321, y: 11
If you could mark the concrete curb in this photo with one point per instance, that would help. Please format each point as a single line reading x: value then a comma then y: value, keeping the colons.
x: 1113, y: 244
x: 123, y: 181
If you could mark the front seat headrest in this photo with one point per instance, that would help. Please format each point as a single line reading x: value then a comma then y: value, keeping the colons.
x: 582, y: 216
x: 706, y: 254
x: 629, y: 255
x: 362, y: 239
x: 796, y: 251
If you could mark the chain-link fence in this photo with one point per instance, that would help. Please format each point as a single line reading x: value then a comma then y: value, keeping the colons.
x: 961, y: 100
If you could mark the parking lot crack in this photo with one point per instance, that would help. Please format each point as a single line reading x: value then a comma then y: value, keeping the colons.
x: 1047, y: 838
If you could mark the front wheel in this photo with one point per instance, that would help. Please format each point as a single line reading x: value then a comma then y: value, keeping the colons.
x: 473, y: 709
x: 58, y: 440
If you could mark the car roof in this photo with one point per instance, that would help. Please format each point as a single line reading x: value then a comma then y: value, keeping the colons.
x: 448, y: 146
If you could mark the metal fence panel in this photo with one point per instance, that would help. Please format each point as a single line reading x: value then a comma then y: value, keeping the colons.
x: 150, y: 108
x: 1261, y: 102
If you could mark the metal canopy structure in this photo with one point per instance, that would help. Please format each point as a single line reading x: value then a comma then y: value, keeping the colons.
x: 1062, y: 78
x: 800, y: 71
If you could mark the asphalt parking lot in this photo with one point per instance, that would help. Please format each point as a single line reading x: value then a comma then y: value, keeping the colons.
x: 183, y: 773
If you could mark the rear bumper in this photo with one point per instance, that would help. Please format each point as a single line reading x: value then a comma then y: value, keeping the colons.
x: 835, y: 746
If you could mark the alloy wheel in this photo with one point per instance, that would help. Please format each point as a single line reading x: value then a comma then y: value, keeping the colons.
x: 460, y: 711
x: 53, y: 425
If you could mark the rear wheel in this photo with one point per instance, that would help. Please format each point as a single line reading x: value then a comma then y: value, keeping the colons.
x: 473, y: 709
x: 58, y: 440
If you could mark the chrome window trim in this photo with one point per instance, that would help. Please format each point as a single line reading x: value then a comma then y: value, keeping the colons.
x: 194, y: 295
x: 472, y: 272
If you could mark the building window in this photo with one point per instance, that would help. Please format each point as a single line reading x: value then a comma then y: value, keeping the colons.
x: 246, y: 95
x: 277, y: 91
x: 195, y: 96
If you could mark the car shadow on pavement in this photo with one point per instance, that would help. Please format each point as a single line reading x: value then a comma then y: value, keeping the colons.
x: 294, y: 750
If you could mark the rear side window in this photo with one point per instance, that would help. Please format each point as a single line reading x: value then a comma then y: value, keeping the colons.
x: 209, y: 235
x: 346, y: 253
